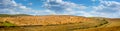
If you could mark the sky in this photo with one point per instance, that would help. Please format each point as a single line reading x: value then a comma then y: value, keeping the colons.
x: 87, y: 8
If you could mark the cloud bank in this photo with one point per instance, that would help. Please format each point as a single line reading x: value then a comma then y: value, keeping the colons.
x: 11, y: 7
x: 105, y: 8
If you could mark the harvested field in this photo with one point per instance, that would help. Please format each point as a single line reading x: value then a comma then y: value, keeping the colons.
x: 55, y: 23
x: 45, y: 20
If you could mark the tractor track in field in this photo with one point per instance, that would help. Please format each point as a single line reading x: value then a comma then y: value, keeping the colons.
x: 70, y: 29
x: 97, y: 26
x: 79, y: 23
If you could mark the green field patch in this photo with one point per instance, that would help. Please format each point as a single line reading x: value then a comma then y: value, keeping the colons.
x: 6, y: 24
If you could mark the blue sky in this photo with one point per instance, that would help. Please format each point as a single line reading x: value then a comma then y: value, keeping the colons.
x: 88, y: 8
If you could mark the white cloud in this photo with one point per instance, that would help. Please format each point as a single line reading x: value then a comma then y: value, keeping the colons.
x: 63, y: 7
x: 11, y: 7
x: 59, y: 7
x: 93, y: 0
x: 30, y: 4
x: 104, y: 9
x: 107, y: 9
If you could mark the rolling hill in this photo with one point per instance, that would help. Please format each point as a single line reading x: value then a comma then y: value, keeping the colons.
x: 25, y: 22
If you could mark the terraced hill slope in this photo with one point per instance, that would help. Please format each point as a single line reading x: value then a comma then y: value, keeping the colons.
x: 46, y: 20
x: 55, y: 23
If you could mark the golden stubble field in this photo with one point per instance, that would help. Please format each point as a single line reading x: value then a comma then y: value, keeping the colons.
x: 60, y: 23
x: 44, y: 20
x: 113, y: 25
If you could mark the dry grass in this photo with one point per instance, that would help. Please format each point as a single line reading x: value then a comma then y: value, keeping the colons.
x: 45, y: 20
x: 113, y: 25
x: 116, y: 28
x: 113, y: 22
x: 61, y: 23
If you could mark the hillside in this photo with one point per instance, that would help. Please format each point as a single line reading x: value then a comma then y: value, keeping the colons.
x: 58, y: 23
x: 46, y: 20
